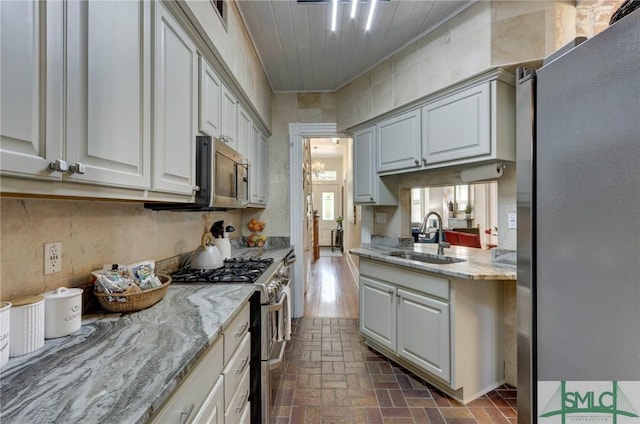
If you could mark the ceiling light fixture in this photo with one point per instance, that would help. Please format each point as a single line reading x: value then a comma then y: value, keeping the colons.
x: 334, y: 15
x: 316, y: 168
x: 372, y: 9
x: 354, y: 6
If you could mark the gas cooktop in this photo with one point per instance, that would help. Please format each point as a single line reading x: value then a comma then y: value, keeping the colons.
x: 233, y: 271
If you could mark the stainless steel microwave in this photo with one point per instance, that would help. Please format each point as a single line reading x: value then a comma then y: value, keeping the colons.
x: 222, y: 177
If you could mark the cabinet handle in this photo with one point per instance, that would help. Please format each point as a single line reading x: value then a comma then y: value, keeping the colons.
x: 242, y: 403
x: 59, y: 165
x: 242, y: 329
x: 77, y: 168
x: 245, y: 361
x: 184, y: 414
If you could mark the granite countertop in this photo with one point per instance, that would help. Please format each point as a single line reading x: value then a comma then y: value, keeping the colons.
x: 479, y: 264
x: 120, y: 368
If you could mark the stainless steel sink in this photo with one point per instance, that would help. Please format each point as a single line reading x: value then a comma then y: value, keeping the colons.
x: 427, y: 258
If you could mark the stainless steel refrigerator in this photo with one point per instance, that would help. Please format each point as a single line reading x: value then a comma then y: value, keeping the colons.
x: 578, y: 179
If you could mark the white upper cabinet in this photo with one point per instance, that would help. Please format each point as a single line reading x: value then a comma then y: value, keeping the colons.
x: 471, y: 122
x: 109, y: 92
x: 458, y: 126
x: 229, y: 123
x: 398, y: 142
x: 176, y: 79
x: 368, y: 187
x: 245, y: 124
x: 209, y: 113
x: 31, y: 83
x: 257, y: 168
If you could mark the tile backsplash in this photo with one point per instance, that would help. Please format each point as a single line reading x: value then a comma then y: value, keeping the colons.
x: 92, y: 233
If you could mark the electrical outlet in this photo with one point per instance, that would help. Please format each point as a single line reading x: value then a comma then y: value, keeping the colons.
x: 52, y: 257
x: 512, y: 219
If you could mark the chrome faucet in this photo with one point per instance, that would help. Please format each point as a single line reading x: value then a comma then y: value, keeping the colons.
x: 423, y: 229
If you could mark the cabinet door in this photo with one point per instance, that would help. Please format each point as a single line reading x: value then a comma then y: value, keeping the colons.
x: 457, y: 126
x: 378, y: 311
x: 398, y: 142
x: 31, y: 83
x: 108, y: 92
x: 192, y: 394
x: 229, y: 123
x: 209, y: 100
x: 264, y: 171
x: 176, y: 76
x: 424, y: 333
x: 212, y: 410
x: 257, y: 167
x: 364, y: 175
x: 245, y: 125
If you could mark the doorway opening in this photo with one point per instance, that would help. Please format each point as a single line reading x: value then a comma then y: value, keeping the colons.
x: 331, y: 200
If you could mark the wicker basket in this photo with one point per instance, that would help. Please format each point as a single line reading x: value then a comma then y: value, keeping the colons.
x: 135, y: 301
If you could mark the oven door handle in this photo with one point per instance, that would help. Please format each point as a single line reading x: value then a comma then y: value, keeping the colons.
x: 278, y: 306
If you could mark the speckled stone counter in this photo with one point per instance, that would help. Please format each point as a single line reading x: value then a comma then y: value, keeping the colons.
x: 478, y: 264
x: 120, y: 368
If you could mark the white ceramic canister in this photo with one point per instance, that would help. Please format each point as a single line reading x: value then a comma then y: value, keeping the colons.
x: 27, y: 325
x: 62, y: 312
x: 5, y: 322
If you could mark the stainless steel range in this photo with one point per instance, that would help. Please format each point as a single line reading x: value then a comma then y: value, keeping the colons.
x: 268, y: 318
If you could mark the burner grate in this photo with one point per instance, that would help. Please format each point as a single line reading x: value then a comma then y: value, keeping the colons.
x: 233, y: 271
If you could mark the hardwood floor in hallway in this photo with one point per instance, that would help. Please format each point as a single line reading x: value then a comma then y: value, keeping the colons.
x: 330, y: 376
x: 332, y: 293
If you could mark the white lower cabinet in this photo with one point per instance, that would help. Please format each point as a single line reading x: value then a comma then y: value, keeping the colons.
x: 212, y: 411
x: 239, y: 402
x: 217, y: 390
x: 378, y: 311
x: 445, y: 330
x: 189, y: 400
x: 423, y: 332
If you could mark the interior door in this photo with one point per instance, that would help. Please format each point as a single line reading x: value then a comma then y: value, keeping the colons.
x: 326, y: 198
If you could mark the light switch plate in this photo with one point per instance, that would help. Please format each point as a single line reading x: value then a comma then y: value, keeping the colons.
x: 513, y: 220
x: 381, y: 218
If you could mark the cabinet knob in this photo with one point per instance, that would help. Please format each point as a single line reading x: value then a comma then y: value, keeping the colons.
x: 77, y: 168
x: 196, y: 188
x: 424, y: 161
x: 59, y: 165
x: 390, y: 291
x: 417, y: 162
x: 371, y: 198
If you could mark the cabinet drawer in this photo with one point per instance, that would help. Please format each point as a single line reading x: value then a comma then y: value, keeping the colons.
x: 421, y: 282
x: 192, y: 392
x: 236, y: 367
x: 234, y: 333
x: 239, y: 401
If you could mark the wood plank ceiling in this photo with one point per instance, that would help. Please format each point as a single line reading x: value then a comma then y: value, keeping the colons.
x: 300, y: 53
